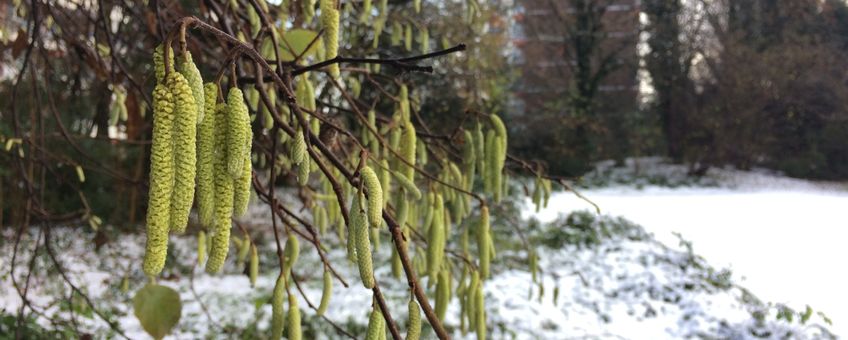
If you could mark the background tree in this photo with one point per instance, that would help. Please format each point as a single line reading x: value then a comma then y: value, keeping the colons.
x: 578, y: 80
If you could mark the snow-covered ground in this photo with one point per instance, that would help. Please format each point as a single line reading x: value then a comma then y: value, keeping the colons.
x: 785, y: 237
x: 782, y: 235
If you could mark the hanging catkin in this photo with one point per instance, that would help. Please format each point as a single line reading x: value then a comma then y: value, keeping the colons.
x: 223, y: 195
x: 201, y: 247
x: 188, y: 69
x: 366, y: 11
x: 480, y: 309
x: 159, y: 62
x: 294, y: 331
x: 483, y: 242
x: 254, y: 265
x: 424, y: 39
x: 185, y: 150
x: 355, y: 220
x: 376, y: 325
x: 205, y: 158
x: 413, y: 331
x: 242, y: 186
x: 161, y: 182
x: 326, y: 293
x: 330, y: 22
x: 298, y: 151
x: 362, y: 242
x: 277, y: 312
x: 408, y: 143
x: 238, y: 138
x: 442, y: 294
x: 407, y: 38
x: 407, y: 185
x: 375, y: 196
x: 292, y: 252
x: 436, y: 239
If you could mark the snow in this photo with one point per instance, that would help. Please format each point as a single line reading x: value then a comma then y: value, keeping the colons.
x: 785, y: 237
x: 782, y: 235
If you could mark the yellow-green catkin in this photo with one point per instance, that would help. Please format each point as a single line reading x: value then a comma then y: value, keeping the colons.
x: 205, y: 158
x: 408, y: 185
x: 298, y: 151
x: 243, y: 249
x: 291, y: 253
x: 326, y: 293
x: 362, y: 243
x: 534, y: 264
x: 469, y: 159
x: 185, y: 150
x: 308, y: 7
x: 254, y: 265
x: 413, y: 331
x: 80, y: 174
x: 436, y: 239
x: 407, y: 38
x: 375, y: 196
x: 161, y: 182
x: 442, y: 294
x: 294, y: 331
x: 201, y: 247
x: 356, y: 218
x: 417, y: 5
x: 385, y: 180
x: 397, y: 33
x: 479, y: 150
x: 483, y: 242
x: 159, y: 62
x: 408, y: 144
x: 188, y: 69
x: 242, y: 186
x: 278, y: 319
x: 238, y: 138
x: 223, y: 195
x: 366, y: 11
x: 471, y: 299
x: 480, y: 309
x: 376, y: 325
x: 330, y: 22
x: 404, y: 103
x: 424, y: 39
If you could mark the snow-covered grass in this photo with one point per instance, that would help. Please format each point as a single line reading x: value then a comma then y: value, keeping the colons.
x: 781, y: 235
x: 785, y: 237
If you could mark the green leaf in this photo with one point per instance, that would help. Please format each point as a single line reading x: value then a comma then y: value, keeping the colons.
x: 806, y: 315
x: 295, y: 42
x: 158, y: 308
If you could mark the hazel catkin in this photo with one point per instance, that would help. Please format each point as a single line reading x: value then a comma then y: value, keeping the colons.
x: 330, y: 22
x: 188, y: 69
x: 223, y: 195
x: 238, y: 138
x: 293, y: 319
x: 483, y: 242
x: 376, y: 325
x: 161, y: 182
x: 362, y: 242
x: 326, y: 293
x: 277, y: 313
x: 254, y: 265
x: 185, y: 150
x: 375, y: 196
x: 413, y: 331
x: 205, y: 158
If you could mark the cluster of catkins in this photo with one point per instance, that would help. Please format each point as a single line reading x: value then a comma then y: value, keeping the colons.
x: 198, y: 144
x: 387, y: 183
